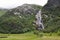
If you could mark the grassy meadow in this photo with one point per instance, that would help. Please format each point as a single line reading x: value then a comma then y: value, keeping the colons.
x: 30, y: 36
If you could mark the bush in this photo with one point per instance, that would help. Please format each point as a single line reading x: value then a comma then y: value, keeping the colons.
x: 41, y: 35
x: 58, y: 34
x: 50, y: 34
x: 36, y: 32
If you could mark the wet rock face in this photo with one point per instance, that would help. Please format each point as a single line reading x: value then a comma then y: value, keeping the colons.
x: 39, y: 22
x: 52, y: 3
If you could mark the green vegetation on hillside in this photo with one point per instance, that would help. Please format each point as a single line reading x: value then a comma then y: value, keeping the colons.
x: 52, y: 21
x: 14, y: 23
x: 23, y: 22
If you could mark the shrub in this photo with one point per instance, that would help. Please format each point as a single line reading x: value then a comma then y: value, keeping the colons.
x: 58, y: 34
x: 50, y: 34
x: 36, y: 32
x: 41, y: 35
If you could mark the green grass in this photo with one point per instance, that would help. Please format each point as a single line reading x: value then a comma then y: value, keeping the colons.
x: 29, y: 36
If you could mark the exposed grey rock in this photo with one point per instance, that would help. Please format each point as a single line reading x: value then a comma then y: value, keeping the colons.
x: 26, y: 9
x: 52, y: 3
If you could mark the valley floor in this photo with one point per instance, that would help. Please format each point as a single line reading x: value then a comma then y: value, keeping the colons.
x: 28, y: 36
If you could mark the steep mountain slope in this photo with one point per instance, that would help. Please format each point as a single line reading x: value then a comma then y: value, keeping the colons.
x: 52, y: 4
x: 51, y: 16
x: 19, y: 19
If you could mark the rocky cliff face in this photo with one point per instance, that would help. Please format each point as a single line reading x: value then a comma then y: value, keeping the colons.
x: 52, y: 4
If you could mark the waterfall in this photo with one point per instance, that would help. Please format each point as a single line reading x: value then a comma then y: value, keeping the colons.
x: 39, y: 22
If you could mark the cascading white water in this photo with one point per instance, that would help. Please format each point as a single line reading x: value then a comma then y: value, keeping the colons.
x: 39, y: 23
